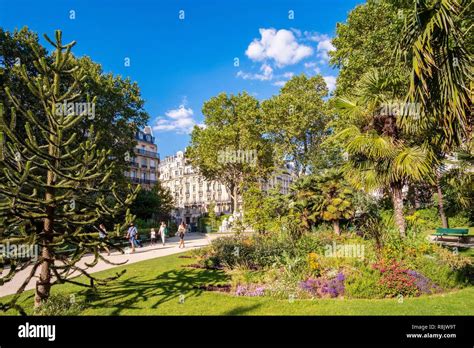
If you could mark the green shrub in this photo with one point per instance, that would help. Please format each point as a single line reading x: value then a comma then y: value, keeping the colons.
x: 59, y: 305
x: 364, y: 284
x: 439, y: 273
x: 459, y: 220
x: 429, y: 219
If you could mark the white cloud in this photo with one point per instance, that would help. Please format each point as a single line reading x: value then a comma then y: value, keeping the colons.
x: 324, y: 44
x: 323, y: 49
x: 313, y: 66
x: 280, y: 46
x: 314, y: 36
x: 179, y: 120
x: 265, y: 75
x: 180, y: 113
x: 330, y: 82
x: 279, y: 83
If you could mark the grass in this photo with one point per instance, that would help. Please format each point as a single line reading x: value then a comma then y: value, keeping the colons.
x: 153, y: 287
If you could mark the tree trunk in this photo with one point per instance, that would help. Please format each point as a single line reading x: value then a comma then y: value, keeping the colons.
x: 442, y: 214
x: 337, y: 229
x: 397, y: 199
x: 43, y: 285
x: 236, y: 198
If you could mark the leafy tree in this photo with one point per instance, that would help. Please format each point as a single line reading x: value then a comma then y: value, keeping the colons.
x: 231, y: 149
x: 52, y: 188
x: 295, y: 120
x: 155, y: 204
x: 264, y: 209
x: 367, y: 40
x: 325, y: 197
x: 118, y: 105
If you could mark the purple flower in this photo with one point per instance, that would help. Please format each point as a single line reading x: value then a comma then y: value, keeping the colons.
x: 241, y: 290
x: 251, y: 290
x: 324, y: 287
x: 424, y: 284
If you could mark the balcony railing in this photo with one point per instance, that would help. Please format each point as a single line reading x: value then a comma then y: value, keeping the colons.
x: 147, y: 153
x: 143, y: 181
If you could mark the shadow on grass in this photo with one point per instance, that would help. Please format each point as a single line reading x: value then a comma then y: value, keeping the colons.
x: 133, y: 292
x: 242, y: 310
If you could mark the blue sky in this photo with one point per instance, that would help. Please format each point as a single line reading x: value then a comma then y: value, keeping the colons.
x: 181, y: 62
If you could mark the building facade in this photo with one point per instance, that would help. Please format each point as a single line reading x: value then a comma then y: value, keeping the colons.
x: 193, y: 194
x: 144, y: 163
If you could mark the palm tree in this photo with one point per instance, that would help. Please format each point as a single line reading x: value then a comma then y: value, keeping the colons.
x: 322, y: 197
x: 435, y: 44
x: 440, y: 58
x: 381, y: 155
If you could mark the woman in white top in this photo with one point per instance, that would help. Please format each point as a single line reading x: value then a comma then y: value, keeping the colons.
x: 163, y: 232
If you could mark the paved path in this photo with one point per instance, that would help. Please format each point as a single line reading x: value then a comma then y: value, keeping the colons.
x: 192, y: 241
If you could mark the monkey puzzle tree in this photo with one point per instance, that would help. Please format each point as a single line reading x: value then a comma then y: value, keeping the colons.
x: 53, y: 187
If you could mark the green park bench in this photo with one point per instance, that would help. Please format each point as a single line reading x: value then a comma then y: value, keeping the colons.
x: 451, y: 232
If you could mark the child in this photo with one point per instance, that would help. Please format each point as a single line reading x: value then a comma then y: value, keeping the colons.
x: 152, y: 236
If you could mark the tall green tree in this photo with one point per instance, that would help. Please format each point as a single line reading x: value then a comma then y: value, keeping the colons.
x: 296, y: 119
x: 156, y: 204
x: 367, y: 40
x: 119, y: 107
x: 53, y: 189
x: 231, y: 148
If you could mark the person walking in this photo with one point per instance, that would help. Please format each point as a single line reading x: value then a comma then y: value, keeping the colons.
x: 181, y: 232
x: 152, y: 236
x: 131, y: 236
x: 163, y: 232
x: 102, y: 236
x: 138, y: 241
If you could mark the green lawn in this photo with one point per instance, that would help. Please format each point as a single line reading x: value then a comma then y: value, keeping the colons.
x: 153, y: 287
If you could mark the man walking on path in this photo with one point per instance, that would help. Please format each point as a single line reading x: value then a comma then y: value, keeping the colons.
x: 131, y: 235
